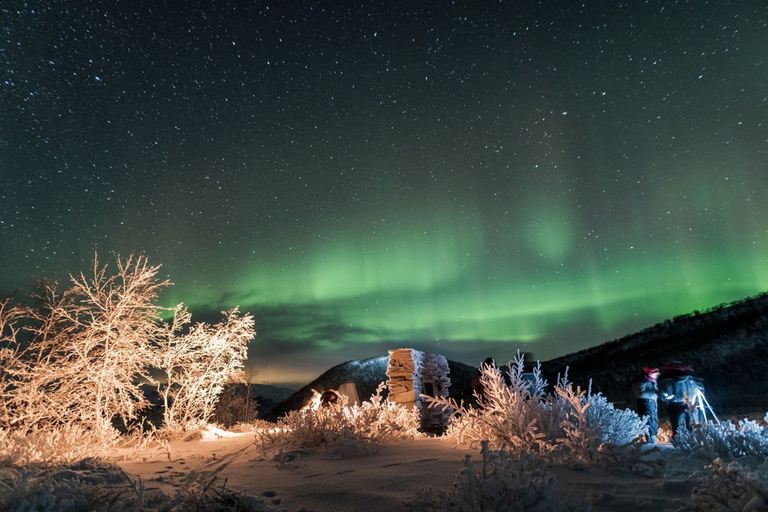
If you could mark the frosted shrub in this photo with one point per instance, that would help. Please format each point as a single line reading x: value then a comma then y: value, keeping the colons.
x: 734, y: 485
x: 87, y: 348
x: 617, y: 426
x: 64, y: 444
x: 507, y: 414
x: 737, y: 477
x: 384, y: 421
x: 82, y: 486
x: 340, y: 429
x: 95, y: 486
x: 580, y: 439
x: 725, y: 440
x: 566, y: 426
x: 503, y: 482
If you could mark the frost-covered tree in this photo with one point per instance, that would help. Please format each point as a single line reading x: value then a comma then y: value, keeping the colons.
x: 74, y: 363
x: 88, y: 347
x: 11, y: 316
x: 199, y: 363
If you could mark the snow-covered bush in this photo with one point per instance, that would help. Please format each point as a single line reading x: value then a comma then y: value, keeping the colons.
x: 617, y: 426
x: 505, y: 481
x: 506, y: 414
x: 737, y: 476
x: 736, y: 485
x: 383, y: 421
x: 12, y: 316
x: 725, y: 440
x: 95, y: 486
x: 569, y: 425
x: 339, y: 429
x: 65, y: 444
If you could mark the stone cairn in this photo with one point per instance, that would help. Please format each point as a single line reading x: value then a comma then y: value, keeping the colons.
x: 412, y: 373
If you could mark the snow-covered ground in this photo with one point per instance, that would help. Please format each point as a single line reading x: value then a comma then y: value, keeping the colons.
x: 308, y: 479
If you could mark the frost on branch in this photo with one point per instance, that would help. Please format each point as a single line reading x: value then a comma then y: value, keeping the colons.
x: 198, y: 364
x: 737, y: 475
x: 11, y: 317
x: 63, y: 444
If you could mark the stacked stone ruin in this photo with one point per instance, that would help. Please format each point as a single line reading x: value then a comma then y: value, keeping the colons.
x: 412, y: 373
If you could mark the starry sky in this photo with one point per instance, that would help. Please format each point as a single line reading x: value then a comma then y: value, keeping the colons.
x: 468, y: 178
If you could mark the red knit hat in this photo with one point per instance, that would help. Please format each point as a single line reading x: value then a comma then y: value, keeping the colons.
x: 648, y: 370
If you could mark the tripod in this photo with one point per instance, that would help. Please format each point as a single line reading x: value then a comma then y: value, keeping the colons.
x: 699, y: 404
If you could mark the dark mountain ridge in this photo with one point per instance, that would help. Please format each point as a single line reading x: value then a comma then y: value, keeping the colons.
x: 727, y: 345
x: 367, y: 374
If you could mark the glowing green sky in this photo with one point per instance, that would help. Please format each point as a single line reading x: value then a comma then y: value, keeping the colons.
x: 466, y: 178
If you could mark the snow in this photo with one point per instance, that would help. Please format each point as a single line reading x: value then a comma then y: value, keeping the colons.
x: 382, y: 481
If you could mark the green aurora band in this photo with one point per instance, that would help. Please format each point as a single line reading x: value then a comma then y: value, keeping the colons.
x: 448, y: 277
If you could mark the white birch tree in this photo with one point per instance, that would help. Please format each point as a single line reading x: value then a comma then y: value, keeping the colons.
x: 89, y: 346
x: 198, y: 364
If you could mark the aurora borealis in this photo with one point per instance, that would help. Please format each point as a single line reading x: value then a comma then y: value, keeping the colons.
x: 468, y: 178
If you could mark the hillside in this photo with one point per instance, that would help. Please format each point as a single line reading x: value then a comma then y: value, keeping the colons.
x: 367, y: 374
x: 268, y: 397
x: 727, y: 345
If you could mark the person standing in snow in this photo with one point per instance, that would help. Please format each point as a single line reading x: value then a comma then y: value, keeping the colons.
x: 647, y: 393
x: 677, y: 387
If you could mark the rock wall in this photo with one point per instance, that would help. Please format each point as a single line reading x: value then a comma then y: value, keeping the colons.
x: 412, y: 373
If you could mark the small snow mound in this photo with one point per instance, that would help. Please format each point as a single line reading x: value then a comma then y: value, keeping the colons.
x: 211, y: 433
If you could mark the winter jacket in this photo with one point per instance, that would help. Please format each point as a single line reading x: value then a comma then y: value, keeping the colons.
x: 676, y: 388
x: 646, y: 389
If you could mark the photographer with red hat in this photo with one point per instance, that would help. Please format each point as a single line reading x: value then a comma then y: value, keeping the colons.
x: 647, y: 393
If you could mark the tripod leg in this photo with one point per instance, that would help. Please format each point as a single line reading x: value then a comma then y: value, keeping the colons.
x: 704, y: 403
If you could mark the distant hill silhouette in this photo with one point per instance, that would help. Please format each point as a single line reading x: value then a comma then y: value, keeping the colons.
x: 268, y: 397
x: 727, y: 345
x: 367, y: 374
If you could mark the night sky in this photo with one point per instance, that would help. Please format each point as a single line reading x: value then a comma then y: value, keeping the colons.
x: 469, y: 178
